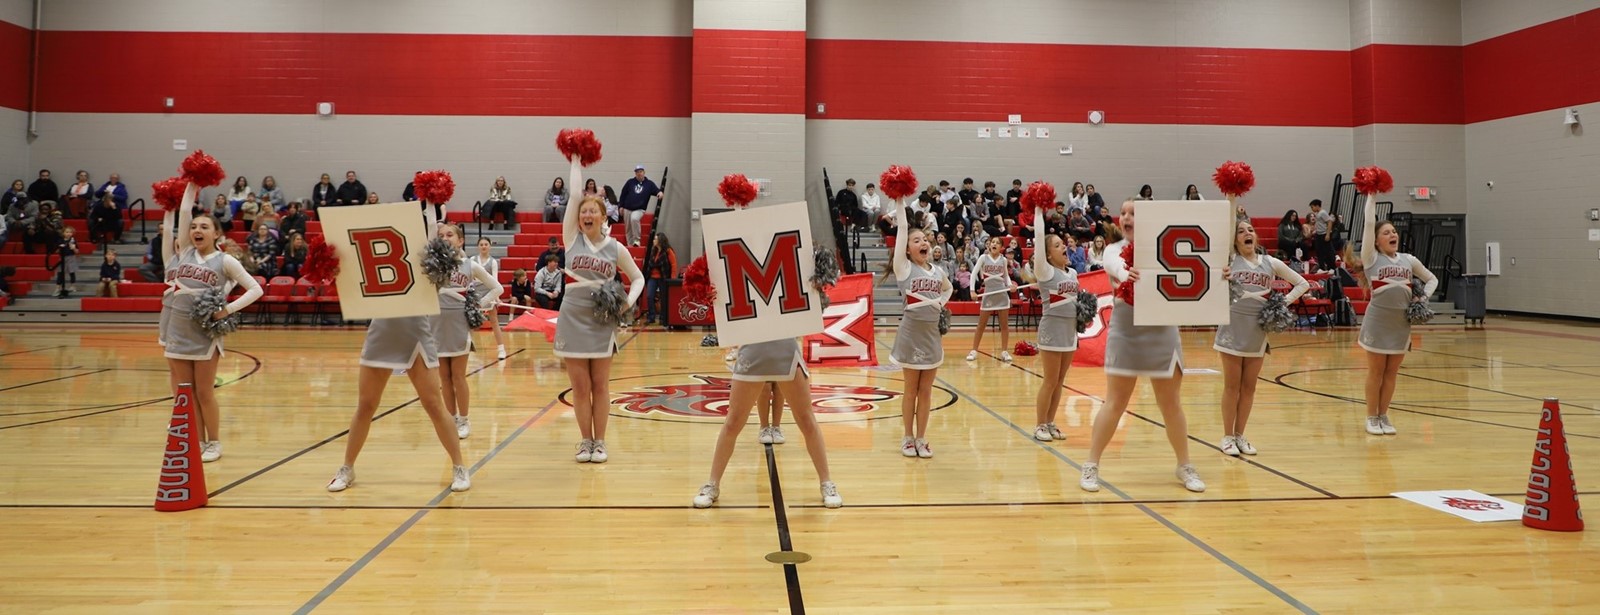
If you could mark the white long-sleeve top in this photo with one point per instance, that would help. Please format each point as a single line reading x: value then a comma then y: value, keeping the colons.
x: 571, y: 234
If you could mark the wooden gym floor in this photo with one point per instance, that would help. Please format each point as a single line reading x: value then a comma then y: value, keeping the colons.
x: 994, y: 523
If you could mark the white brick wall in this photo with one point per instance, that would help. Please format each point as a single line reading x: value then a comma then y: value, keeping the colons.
x: 761, y: 146
x: 1544, y: 185
x: 1266, y: 24
x: 14, y: 162
x: 1418, y: 155
x: 1485, y: 19
x: 634, y: 17
x: 1405, y: 22
x: 783, y: 15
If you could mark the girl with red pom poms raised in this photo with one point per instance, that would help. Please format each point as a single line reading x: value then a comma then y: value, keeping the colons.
x: 918, y: 344
x: 1395, y: 305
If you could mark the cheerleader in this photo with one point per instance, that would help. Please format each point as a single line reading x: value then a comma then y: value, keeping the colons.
x: 405, y: 343
x: 194, y: 267
x: 1242, y: 343
x: 1058, y: 326
x: 993, y: 271
x: 918, y: 348
x: 451, y: 332
x: 1133, y: 351
x: 492, y: 265
x: 1385, y: 331
x: 777, y: 362
x: 585, y: 340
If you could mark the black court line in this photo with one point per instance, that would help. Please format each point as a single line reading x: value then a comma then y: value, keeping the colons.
x: 1191, y: 538
x: 255, y: 367
x: 7, y: 354
x: 1242, y: 458
x: 38, y: 382
x: 791, y: 572
x: 358, y: 565
x: 325, y: 441
x: 1401, y: 408
x: 1488, y: 390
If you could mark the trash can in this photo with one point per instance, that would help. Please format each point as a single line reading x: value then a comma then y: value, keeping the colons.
x: 1471, y: 298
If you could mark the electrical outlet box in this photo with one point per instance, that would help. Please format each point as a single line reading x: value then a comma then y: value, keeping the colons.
x: 1594, y: 214
x: 1513, y: 261
x: 1594, y: 234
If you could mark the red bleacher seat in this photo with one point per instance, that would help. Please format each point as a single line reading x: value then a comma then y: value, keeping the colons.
x: 33, y: 274
x: 141, y: 289
x: 121, y: 304
x: 22, y: 260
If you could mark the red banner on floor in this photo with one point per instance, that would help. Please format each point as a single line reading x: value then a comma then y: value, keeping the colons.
x: 846, y: 339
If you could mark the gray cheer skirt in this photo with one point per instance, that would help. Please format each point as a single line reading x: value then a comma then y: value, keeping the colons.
x: 774, y: 361
x: 396, y: 343
x: 1243, y: 335
x: 1141, y: 351
x: 917, y: 344
x: 579, y: 334
x: 1058, y: 333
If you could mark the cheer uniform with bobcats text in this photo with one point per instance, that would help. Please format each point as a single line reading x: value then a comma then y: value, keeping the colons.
x: 190, y: 275
x: 1243, y: 335
x: 580, y: 334
x: 1058, y: 325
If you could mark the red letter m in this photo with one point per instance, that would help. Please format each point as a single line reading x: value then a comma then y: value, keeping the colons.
x: 381, y: 253
x: 780, y: 268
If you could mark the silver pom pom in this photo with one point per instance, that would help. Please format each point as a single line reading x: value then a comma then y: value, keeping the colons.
x: 611, y: 303
x: 1088, y: 308
x: 944, y: 321
x: 1276, y: 317
x: 439, y: 260
x: 207, y: 306
x: 475, y: 316
x: 1418, y: 312
x: 1235, y: 290
x: 709, y: 340
x: 827, y: 268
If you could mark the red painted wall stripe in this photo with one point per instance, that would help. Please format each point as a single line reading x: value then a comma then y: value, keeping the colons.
x: 1548, y: 66
x: 749, y: 71
x: 904, y: 80
x: 16, y: 47
x: 399, y: 74
x: 1406, y: 84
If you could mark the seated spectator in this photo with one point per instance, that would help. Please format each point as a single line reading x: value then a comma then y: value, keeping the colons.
x: 270, y: 195
x: 77, y: 198
x: 1096, y: 253
x: 294, y: 255
x: 264, y: 248
x: 613, y: 209
x: 153, y: 269
x: 222, y: 212
x: 13, y: 198
x: 241, y: 189
x: 324, y: 194
x: 1079, y: 226
x: 555, y: 202
x: 1192, y: 193
x: 549, y: 285
x: 105, y: 221
x: 116, y: 189
x: 44, y: 190
x: 292, y: 222
x: 1146, y: 193
x: 962, y: 281
x: 18, y: 210
x: 1077, y: 256
x: 110, y: 274
x: 45, y: 232
x: 351, y: 192
x: 871, y: 204
x: 270, y: 220
x: 1291, y: 234
x: 248, y: 211
x: 556, y: 251
x: 521, y: 288
x: 500, y: 203
x: 372, y: 199
x: 409, y: 193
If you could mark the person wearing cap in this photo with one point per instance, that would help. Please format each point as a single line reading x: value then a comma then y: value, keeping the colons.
x: 636, y: 195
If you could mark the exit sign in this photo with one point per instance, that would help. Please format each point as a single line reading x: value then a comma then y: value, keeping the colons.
x: 1422, y: 193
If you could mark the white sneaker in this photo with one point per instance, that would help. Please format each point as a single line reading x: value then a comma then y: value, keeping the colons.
x: 599, y: 453
x: 585, y: 451
x: 1055, y: 432
x: 1230, y: 446
x: 1383, y: 419
x: 777, y: 435
x: 1005, y: 356
x: 501, y: 352
x: 766, y: 436
x: 461, y: 481
x: 972, y: 355
x: 463, y: 427
x: 342, y: 479
x: 908, y: 446
x: 923, y: 449
x: 1090, y: 481
x: 1244, y: 445
x: 708, y: 495
x: 1042, y: 433
x: 1374, y: 426
x: 1190, y: 478
x: 830, y: 495
x: 210, y: 451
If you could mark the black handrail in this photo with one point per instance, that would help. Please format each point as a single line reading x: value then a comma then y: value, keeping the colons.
x: 477, y: 216
x: 143, y: 238
x: 840, y: 242
x: 655, y: 224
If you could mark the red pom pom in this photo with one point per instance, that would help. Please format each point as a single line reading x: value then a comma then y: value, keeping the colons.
x: 169, y: 192
x: 898, y: 182
x: 697, y: 282
x: 1373, y: 180
x: 1025, y: 349
x: 434, y: 186
x: 1234, y: 178
x: 737, y: 190
x: 1038, y: 195
x: 322, y: 263
x: 1124, y: 291
x: 203, y: 170
x: 579, y: 142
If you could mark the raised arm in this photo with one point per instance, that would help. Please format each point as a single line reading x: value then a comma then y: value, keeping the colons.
x: 1369, y: 234
x: 1113, y: 265
x: 185, y: 218
x: 491, y: 284
x: 569, y: 222
x: 635, y: 277
x: 235, y: 272
x: 1291, y: 276
x: 1041, y: 259
x: 902, y: 236
x: 1430, y: 282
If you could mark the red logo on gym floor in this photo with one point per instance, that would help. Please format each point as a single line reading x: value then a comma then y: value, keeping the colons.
x: 1470, y: 504
x: 709, y: 398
